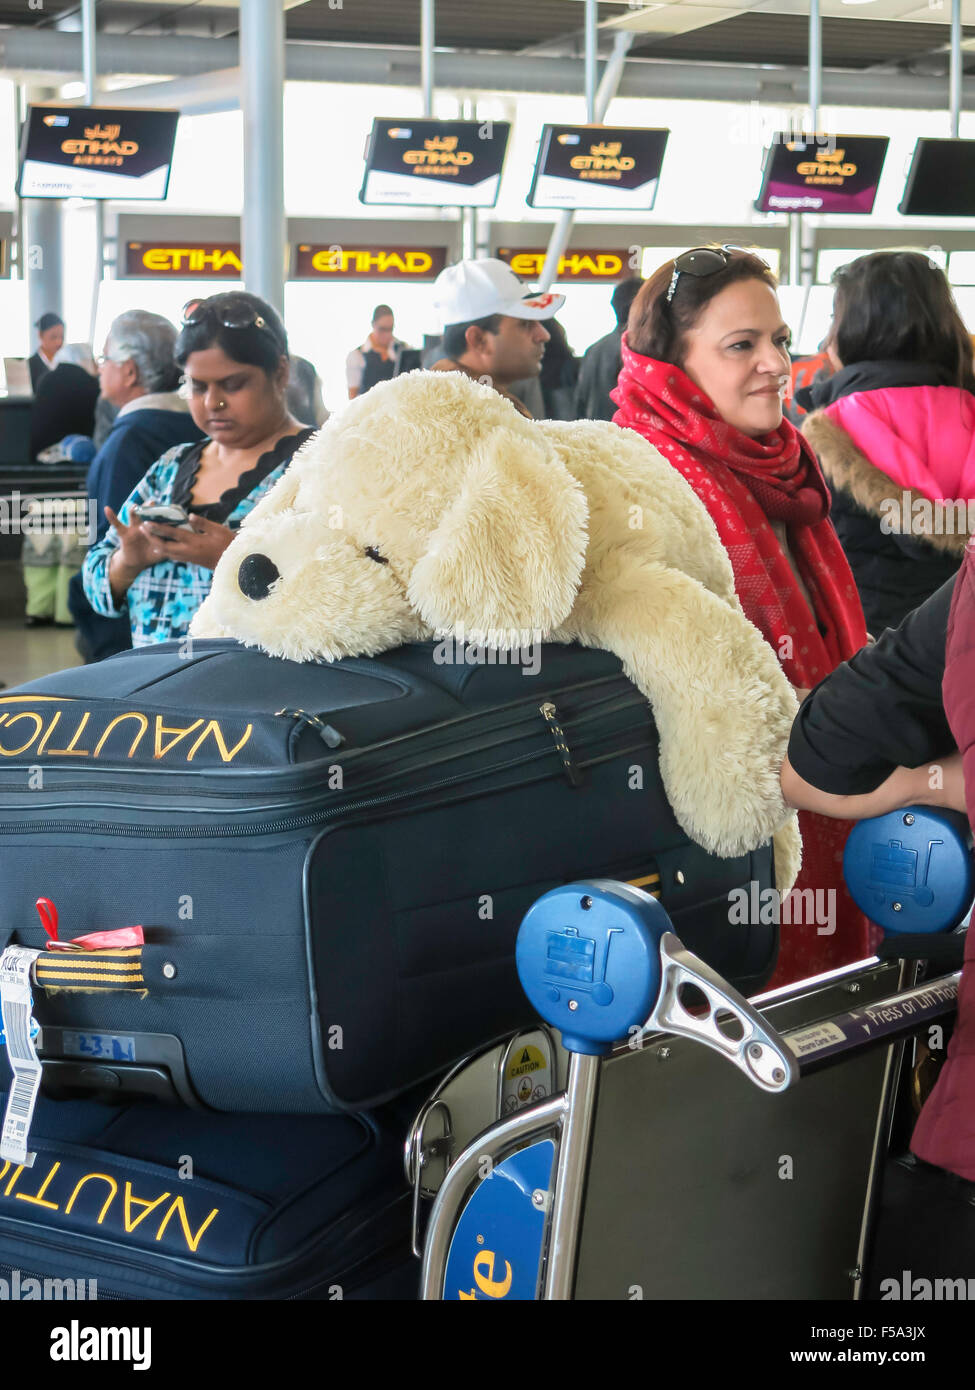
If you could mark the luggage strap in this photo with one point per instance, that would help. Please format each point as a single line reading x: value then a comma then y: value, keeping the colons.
x: 91, y: 971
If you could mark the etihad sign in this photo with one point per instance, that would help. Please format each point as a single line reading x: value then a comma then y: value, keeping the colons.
x: 574, y: 265
x: 440, y: 153
x: 369, y: 262
x: 604, y: 161
x: 184, y: 259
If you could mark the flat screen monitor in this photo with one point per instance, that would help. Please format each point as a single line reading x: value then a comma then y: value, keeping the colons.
x: 604, y: 168
x: 812, y: 173
x: 96, y: 152
x: 941, y: 180
x: 426, y: 163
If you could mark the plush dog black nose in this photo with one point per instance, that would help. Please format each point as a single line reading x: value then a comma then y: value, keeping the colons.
x: 256, y: 575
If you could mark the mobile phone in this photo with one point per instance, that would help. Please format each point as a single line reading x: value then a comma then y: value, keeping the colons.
x: 164, y: 515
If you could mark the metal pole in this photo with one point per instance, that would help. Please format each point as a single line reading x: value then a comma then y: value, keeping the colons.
x: 39, y: 237
x: 608, y: 88
x: 426, y: 54
x: 468, y: 216
x: 40, y: 256
x: 955, y: 71
x: 89, y: 62
x: 569, y: 1183
x: 815, y: 63
x: 805, y: 237
x: 794, y: 257
x: 262, y: 93
x: 592, y: 49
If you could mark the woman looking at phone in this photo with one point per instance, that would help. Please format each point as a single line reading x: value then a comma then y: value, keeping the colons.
x: 234, y: 353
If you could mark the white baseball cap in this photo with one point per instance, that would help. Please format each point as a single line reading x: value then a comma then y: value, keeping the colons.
x: 473, y: 290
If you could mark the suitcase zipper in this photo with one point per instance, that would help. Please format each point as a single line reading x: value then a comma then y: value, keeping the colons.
x: 359, y: 757
x: 275, y: 827
x: 320, y: 815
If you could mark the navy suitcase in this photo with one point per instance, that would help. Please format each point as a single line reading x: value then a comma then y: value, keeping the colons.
x: 330, y: 861
x: 141, y: 1201
x: 330, y: 864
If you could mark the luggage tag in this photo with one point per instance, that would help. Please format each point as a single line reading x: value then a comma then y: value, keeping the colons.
x: 16, y: 1002
x: 20, y: 1029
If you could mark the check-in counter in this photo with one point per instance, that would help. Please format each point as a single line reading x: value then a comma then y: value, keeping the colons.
x: 20, y: 477
x: 14, y: 430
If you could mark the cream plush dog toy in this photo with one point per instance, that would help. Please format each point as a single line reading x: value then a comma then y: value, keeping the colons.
x: 429, y: 505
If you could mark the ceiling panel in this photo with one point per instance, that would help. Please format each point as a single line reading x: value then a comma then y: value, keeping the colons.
x: 783, y: 38
x: 703, y: 30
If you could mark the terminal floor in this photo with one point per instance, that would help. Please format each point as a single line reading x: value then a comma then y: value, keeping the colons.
x: 28, y: 652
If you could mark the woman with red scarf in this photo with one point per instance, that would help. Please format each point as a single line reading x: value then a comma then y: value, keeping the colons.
x: 705, y: 366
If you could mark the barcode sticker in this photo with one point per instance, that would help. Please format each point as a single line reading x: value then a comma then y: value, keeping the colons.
x: 16, y: 1003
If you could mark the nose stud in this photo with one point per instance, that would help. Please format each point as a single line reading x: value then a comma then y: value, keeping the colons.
x: 255, y: 576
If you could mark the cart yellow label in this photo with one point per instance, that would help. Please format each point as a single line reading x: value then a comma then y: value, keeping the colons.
x: 525, y: 1061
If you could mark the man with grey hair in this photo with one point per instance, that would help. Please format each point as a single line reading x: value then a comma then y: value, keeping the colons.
x: 139, y: 375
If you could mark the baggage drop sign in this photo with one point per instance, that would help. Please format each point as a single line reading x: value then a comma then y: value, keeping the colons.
x: 815, y: 173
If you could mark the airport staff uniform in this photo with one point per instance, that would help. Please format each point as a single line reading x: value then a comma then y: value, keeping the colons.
x: 366, y: 364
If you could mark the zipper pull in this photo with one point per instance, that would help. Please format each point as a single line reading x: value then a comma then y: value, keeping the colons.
x: 325, y: 732
x: 551, y: 716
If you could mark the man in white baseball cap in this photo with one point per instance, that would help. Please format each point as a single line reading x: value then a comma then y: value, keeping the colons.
x: 493, y: 324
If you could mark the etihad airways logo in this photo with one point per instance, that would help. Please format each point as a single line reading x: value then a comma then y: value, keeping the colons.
x: 828, y: 167
x: 101, y: 140
x: 440, y: 152
x: 605, y: 160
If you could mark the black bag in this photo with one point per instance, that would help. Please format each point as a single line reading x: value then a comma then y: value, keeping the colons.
x: 136, y: 1201
x: 330, y: 861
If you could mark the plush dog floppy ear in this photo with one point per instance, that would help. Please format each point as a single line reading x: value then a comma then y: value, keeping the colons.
x: 509, y: 549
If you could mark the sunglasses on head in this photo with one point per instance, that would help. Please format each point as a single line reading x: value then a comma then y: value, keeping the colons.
x: 243, y: 315
x: 704, y: 260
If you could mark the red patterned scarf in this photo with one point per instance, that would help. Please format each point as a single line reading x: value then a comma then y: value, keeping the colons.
x: 745, y: 483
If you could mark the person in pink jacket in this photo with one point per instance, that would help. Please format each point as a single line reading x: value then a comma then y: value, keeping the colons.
x: 894, y: 429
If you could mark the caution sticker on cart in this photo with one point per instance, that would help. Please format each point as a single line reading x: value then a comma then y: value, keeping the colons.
x: 527, y: 1072
x: 16, y: 1002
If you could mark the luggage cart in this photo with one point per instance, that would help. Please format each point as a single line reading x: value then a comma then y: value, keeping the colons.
x: 653, y: 1170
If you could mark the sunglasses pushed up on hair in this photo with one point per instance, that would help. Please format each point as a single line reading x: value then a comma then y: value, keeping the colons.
x: 704, y: 260
x: 197, y: 311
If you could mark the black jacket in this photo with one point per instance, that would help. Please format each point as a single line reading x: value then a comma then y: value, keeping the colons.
x: 894, y: 572
x: 880, y: 710
x: 38, y: 370
x: 64, y: 404
x: 600, y: 368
